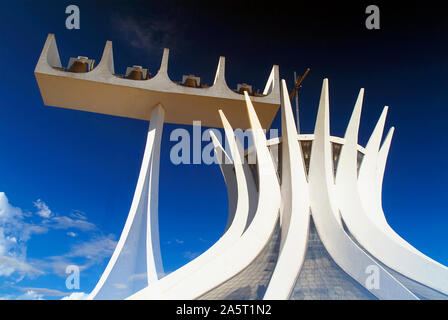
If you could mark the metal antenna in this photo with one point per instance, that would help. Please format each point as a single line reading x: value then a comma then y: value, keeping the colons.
x: 296, y: 94
x: 297, y: 105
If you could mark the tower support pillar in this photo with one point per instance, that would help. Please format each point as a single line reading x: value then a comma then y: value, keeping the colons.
x: 128, y: 269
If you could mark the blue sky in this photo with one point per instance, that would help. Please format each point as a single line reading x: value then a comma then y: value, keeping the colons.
x: 67, y: 177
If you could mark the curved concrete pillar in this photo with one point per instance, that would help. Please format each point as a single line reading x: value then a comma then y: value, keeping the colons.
x: 370, y: 184
x: 128, y: 269
x: 368, y: 225
x: 351, y: 258
x: 228, y: 173
x: 374, y: 203
x: 232, y: 261
x: 232, y: 234
x: 295, y: 208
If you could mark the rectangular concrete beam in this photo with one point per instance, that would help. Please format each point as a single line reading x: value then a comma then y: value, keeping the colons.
x: 101, y: 91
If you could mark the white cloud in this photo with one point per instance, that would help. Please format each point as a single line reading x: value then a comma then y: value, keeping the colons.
x: 155, y: 32
x: 78, y: 214
x: 44, y: 291
x: 8, y: 212
x: 44, y: 211
x: 36, y: 294
x: 30, y: 295
x: 90, y: 252
x: 97, y: 248
x: 76, y: 296
x: 16, y: 230
x: 137, y: 276
x: 64, y: 222
x: 120, y: 286
x: 14, y: 233
x: 9, y: 265
x: 17, y: 227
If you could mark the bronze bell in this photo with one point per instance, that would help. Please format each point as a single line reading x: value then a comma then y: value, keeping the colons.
x: 79, y: 67
x: 190, y: 82
x: 242, y: 89
x: 135, y: 75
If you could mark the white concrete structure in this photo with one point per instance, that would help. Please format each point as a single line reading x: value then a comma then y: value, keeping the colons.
x: 310, y: 226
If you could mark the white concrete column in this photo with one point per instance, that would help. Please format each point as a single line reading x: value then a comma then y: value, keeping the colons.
x: 136, y: 261
x: 295, y: 209
x: 153, y: 256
